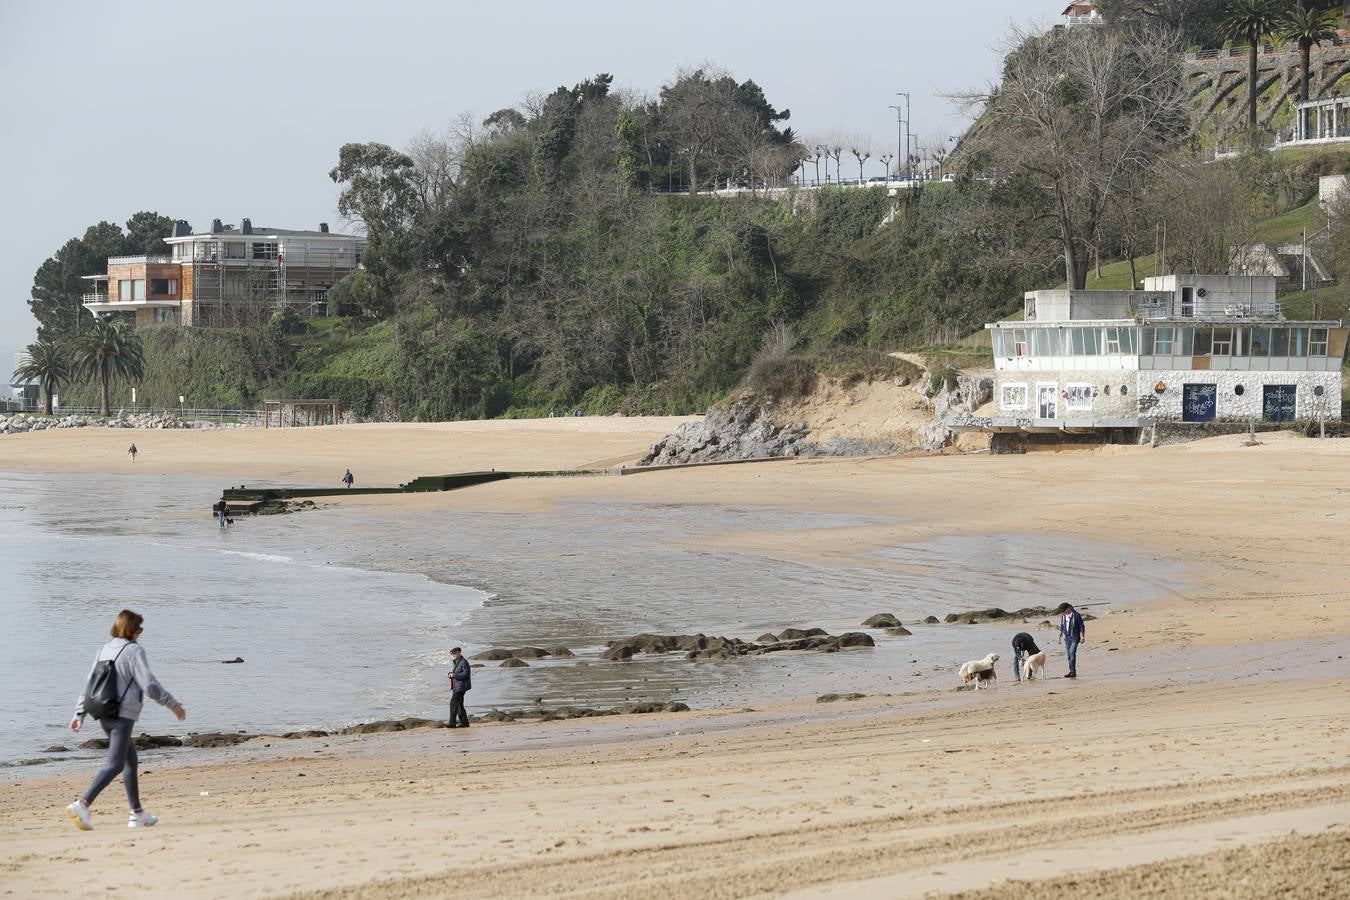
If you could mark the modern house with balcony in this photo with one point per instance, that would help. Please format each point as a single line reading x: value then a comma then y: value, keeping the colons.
x: 226, y: 276
x: 1188, y: 348
x: 1081, y: 13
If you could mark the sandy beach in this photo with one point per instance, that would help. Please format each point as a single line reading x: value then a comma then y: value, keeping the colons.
x: 1202, y: 753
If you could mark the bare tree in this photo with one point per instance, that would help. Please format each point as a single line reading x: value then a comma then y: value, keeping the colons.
x: 886, y: 161
x: 861, y: 148
x: 1081, y: 113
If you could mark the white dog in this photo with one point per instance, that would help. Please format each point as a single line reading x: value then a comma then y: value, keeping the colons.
x: 979, y: 671
x: 1034, y: 666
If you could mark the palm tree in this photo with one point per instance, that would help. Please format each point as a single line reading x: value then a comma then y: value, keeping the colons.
x: 47, y: 363
x: 1309, y: 28
x: 1250, y: 21
x: 105, y: 350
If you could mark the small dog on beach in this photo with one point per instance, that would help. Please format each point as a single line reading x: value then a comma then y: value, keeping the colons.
x: 979, y: 671
x: 1034, y: 666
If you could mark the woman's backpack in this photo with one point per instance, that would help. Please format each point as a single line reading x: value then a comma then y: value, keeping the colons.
x: 101, y: 699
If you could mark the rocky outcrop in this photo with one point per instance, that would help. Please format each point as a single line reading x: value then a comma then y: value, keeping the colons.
x: 514, y: 663
x: 702, y: 646
x: 956, y: 397
x: 882, y: 620
x: 740, y: 430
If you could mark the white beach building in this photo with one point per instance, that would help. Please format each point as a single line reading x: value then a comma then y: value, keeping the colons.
x: 1189, y: 348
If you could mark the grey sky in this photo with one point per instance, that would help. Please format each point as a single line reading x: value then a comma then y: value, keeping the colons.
x: 238, y: 108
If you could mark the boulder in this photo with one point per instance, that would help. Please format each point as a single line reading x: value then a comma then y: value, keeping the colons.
x: 793, y: 634
x: 972, y: 616
x: 854, y: 639
x: 152, y: 741
x: 215, y: 739
x: 529, y: 653
x: 899, y: 632
x: 767, y: 638
x: 309, y: 733
x: 514, y: 663
x: 492, y: 655
x: 835, y: 698
x: 57, y: 748
x: 618, y: 653
x: 230, y: 662
x: 560, y: 653
x: 882, y: 620
x: 930, y: 620
x: 650, y: 707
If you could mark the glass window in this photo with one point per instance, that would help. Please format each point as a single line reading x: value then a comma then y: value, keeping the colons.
x: 1186, y: 345
x: 1020, y: 347
x: 1080, y: 396
x: 1260, y: 342
x: 1279, y: 342
x: 1165, y: 340
x: 1317, y: 342
x: 1298, y: 342
x: 264, y: 251
x: 1146, y: 342
x: 1203, y: 336
x: 1111, y: 342
x: 1085, y: 341
x: 1223, y: 342
x: 1239, y: 342
x: 1127, y: 340
x: 1014, y: 396
x: 138, y: 289
x: 234, y: 249
x: 124, y: 289
x: 1046, y: 342
x: 163, y: 286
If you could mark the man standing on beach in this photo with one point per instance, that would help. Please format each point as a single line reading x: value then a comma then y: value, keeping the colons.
x: 132, y: 451
x: 460, y: 681
x: 347, y: 479
x: 1071, y: 634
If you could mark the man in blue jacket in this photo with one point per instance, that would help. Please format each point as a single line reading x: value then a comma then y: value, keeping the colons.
x: 460, y: 681
x: 1071, y: 634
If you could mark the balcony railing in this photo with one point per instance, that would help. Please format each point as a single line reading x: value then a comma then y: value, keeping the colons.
x: 1210, y: 309
x: 95, y: 297
x: 139, y: 260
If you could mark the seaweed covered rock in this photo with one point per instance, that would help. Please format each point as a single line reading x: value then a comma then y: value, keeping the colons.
x: 882, y: 620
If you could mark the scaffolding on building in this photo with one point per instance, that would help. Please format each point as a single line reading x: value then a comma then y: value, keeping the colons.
x: 303, y: 413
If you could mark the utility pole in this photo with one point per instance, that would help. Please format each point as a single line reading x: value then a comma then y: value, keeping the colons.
x: 909, y: 167
x: 902, y: 131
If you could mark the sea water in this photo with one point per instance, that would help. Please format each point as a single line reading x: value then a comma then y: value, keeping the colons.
x: 346, y: 614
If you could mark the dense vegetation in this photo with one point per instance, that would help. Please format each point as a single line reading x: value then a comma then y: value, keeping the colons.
x: 534, y: 263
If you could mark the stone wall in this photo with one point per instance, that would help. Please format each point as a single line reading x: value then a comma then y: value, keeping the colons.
x: 1233, y: 405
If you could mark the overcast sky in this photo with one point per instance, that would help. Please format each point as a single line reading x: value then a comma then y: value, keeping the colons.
x: 236, y: 109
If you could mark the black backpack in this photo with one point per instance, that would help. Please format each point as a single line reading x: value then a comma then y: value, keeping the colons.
x: 101, y: 699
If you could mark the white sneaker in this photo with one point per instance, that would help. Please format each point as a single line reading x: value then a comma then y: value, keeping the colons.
x: 141, y: 819
x: 80, y: 813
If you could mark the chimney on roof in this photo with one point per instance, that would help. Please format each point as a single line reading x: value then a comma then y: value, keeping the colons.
x: 246, y: 226
x: 217, y: 227
x: 181, y: 228
x: 323, y: 227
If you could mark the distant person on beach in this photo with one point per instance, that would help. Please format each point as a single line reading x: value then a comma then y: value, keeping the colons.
x: 461, y: 680
x: 347, y: 479
x: 134, y: 682
x: 132, y: 451
x: 1023, y: 646
x: 224, y: 512
x: 1071, y: 634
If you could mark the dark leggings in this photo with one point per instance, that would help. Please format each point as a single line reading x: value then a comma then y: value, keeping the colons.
x: 121, y: 758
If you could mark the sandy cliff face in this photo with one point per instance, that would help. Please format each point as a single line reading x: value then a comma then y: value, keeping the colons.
x: 839, y: 417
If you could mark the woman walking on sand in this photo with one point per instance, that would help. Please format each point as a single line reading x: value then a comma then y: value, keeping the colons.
x: 134, y: 682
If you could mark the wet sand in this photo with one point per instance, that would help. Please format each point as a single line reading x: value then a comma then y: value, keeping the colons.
x: 1217, y: 721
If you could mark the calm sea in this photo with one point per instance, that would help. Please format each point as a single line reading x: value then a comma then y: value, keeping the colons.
x: 347, y: 615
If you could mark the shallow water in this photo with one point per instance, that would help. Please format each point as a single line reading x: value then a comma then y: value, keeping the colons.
x: 347, y: 614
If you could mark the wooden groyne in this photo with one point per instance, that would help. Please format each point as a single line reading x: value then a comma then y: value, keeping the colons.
x: 245, y: 500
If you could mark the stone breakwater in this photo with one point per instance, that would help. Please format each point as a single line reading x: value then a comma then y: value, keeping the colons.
x: 25, y: 422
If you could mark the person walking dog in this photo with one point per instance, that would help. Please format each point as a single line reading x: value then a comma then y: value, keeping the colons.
x: 1024, y: 645
x: 461, y: 680
x: 1071, y: 634
x: 118, y: 683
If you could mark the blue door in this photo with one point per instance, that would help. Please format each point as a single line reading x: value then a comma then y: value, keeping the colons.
x: 1198, y: 402
x: 1280, y: 402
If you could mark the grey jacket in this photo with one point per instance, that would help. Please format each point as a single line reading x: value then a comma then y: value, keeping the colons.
x: 463, y: 677
x: 135, y: 681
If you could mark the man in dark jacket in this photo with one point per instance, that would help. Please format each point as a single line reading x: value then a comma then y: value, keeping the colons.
x: 1071, y: 634
x: 1023, y: 646
x: 460, y: 681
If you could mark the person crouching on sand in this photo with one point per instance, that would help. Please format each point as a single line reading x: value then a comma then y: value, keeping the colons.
x: 461, y: 680
x: 134, y: 682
